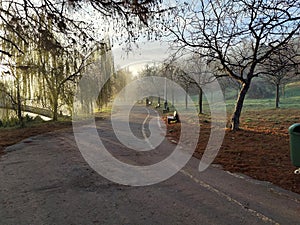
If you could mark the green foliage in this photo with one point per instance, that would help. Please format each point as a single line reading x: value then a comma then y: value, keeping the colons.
x: 10, y: 122
x: 13, y: 121
x: 46, y: 74
x: 292, y: 89
x: 38, y: 119
x: 28, y: 118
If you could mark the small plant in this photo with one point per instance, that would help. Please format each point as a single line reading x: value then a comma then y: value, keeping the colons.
x: 28, y: 118
x: 248, y: 120
x: 14, y: 121
x: 38, y: 119
x: 10, y: 122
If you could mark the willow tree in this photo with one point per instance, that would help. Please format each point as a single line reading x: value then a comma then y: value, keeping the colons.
x: 121, y: 78
x: 238, y: 34
x: 17, y: 79
x: 105, y: 74
x: 96, y: 88
x: 77, y: 20
x: 59, y: 69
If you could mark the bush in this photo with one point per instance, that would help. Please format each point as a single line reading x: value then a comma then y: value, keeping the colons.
x: 10, y: 122
x: 14, y: 121
x: 38, y: 119
x: 28, y: 118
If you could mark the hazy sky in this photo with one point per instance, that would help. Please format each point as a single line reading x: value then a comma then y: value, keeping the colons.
x: 146, y: 53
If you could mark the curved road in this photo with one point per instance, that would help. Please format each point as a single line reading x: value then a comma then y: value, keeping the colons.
x: 45, y: 180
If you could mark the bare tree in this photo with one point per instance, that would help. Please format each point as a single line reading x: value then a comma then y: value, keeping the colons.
x: 152, y: 71
x: 282, y: 67
x: 199, y: 74
x: 239, y: 34
x: 184, y: 80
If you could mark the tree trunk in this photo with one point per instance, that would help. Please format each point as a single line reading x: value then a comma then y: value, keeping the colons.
x: 277, y: 96
x: 200, y: 101
x: 55, y: 107
x: 186, y: 97
x: 235, y: 120
x: 55, y: 110
x: 19, y: 106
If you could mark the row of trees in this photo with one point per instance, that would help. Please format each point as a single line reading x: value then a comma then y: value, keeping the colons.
x: 240, y: 37
x: 193, y: 73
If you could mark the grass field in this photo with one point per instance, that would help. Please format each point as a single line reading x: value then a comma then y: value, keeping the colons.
x: 291, y: 100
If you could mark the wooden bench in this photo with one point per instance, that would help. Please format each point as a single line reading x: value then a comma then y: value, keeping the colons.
x: 174, y: 118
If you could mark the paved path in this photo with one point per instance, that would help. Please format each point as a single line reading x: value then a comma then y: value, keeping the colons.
x: 45, y: 180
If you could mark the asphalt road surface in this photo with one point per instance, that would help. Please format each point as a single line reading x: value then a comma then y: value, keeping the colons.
x: 45, y: 180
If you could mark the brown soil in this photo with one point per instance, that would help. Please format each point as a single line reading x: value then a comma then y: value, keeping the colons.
x: 259, y: 150
x: 10, y: 136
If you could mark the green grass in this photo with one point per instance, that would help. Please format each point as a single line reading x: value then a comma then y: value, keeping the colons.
x: 291, y: 100
x: 252, y: 104
x: 13, y: 122
x: 104, y: 109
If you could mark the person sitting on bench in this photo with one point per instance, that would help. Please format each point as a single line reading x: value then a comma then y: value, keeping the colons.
x: 174, y: 118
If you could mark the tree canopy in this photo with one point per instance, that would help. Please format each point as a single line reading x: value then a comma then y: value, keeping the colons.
x: 74, y: 22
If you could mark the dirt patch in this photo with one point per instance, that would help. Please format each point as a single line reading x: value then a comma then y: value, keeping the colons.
x: 260, y: 149
x: 10, y: 136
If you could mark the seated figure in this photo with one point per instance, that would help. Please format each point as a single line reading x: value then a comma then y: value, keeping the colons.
x: 174, y: 118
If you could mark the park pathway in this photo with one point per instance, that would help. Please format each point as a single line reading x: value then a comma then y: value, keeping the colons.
x: 45, y: 180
